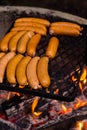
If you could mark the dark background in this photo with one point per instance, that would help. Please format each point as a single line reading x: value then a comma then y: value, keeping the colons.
x: 76, y: 7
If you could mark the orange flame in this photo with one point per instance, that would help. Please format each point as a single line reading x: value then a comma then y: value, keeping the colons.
x: 9, y: 96
x: 73, y: 78
x: 34, y: 104
x: 16, y: 93
x: 83, y: 77
x: 79, y: 125
x: 80, y: 103
x: 84, y: 74
x: 80, y: 86
x: 65, y: 110
x: 21, y: 86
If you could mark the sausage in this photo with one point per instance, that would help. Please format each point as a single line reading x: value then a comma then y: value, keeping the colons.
x: 52, y: 47
x: 30, y: 24
x: 67, y: 24
x: 5, y: 41
x: 32, y: 74
x: 22, y: 43
x: 63, y: 30
x: 32, y: 44
x: 11, y: 68
x: 21, y: 70
x: 2, y: 54
x: 33, y: 29
x: 14, y: 40
x: 3, y: 63
x: 37, y: 20
x: 42, y: 72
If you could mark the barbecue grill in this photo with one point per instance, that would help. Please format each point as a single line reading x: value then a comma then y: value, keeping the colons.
x: 69, y: 61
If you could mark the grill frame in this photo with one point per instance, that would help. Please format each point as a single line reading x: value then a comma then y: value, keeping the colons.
x: 24, y: 11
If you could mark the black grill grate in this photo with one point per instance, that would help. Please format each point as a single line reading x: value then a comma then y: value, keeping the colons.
x: 68, y: 62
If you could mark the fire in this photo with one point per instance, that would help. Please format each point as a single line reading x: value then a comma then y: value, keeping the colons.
x: 83, y: 78
x: 65, y: 110
x: 21, y: 86
x: 80, y: 103
x: 34, y: 104
x: 73, y: 78
x: 85, y: 81
x: 14, y: 93
x: 79, y: 125
x: 80, y: 86
x: 9, y: 96
x: 84, y: 74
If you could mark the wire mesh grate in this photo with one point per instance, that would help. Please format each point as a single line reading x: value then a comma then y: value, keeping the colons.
x: 69, y: 58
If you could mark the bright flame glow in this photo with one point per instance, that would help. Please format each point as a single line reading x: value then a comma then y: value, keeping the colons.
x: 21, y: 86
x: 83, y: 78
x: 79, y: 125
x: 34, y: 104
x: 80, y: 103
x: 15, y: 93
x: 9, y: 96
x: 73, y: 78
x: 85, y: 81
x: 84, y: 74
x: 65, y: 110
x: 80, y: 86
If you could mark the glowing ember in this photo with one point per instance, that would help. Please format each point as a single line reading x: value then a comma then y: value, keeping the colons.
x: 34, y: 104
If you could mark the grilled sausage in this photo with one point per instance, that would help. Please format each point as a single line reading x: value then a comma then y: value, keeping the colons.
x: 14, y: 40
x: 22, y: 43
x: 67, y: 24
x: 2, y: 54
x: 3, y: 63
x: 21, y: 70
x: 33, y: 29
x: 5, y: 41
x: 37, y: 20
x: 29, y: 24
x: 32, y: 74
x: 42, y: 72
x: 11, y: 68
x: 64, y: 30
x: 32, y: 44
x: 52, y: 47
